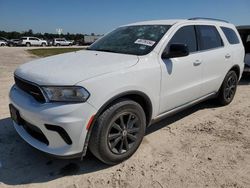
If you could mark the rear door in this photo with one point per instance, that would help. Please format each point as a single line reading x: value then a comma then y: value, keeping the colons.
x: 181, y: 77
x: 33, y: 41
x: 216, y: 59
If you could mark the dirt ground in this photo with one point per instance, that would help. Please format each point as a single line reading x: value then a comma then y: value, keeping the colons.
x: 205, y: 146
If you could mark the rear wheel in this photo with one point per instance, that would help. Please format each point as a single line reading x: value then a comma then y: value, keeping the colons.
x: 57, y: 44
x: 28, y: 44
x: 43, y: 44
x: 228, y: 88
x: 118, y: 132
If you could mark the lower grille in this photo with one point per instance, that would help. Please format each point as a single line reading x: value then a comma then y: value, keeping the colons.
x: 30, y: 88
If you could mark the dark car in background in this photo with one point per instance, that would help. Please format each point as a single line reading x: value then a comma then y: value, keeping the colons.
x: 15, y: 41
x: 244, y: 32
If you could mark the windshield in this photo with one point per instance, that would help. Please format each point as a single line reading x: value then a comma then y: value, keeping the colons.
x: 136, y: 40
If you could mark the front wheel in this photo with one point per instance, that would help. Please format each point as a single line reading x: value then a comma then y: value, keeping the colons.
x: 228, y: 88
x: 118, y: 132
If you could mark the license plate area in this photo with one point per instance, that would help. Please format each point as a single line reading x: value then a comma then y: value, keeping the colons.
x: 15, y: 115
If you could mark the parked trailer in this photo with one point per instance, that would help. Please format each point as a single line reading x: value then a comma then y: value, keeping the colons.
x: 89, y: 39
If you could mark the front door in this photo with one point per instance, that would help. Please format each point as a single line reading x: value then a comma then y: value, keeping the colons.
x: 181, y: 77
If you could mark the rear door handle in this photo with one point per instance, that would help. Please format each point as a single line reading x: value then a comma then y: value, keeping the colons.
x: 227, y: 56
x: 197, y: 63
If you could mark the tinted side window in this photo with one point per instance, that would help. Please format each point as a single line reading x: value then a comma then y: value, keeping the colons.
x: 185, y: 35
x: 248, y: 38
x: 209, y: 37
x: 231, y: 35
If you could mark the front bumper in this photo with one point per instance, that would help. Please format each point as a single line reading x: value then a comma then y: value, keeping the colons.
x: 72, y: 118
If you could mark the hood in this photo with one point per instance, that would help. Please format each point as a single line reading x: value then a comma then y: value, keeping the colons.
x: 71, y: 68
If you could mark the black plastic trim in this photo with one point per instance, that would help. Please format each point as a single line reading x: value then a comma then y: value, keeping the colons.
x: 60, y: 131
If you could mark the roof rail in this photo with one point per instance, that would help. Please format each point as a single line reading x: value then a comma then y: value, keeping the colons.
x: 212, y: 19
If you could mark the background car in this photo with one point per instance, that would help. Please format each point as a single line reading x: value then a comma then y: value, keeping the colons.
x: 32, y: 41
x: 3, y: 43
x: 61, y: 42
x: 7, y: 41
x: 15, y: 41
x: 245, y: 37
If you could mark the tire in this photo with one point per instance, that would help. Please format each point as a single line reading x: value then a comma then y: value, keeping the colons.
x: 109, y: 135
x: 28, y: 44
x: 2, y: 45
x: 228, y: 89
x: 43, y: 44
x: 57, y: 44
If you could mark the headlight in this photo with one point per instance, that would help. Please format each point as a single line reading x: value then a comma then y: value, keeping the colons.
x: 66, y: 94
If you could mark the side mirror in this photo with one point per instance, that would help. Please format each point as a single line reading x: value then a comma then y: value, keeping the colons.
x: 176, y: 50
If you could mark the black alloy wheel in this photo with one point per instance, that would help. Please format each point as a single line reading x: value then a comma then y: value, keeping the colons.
x: 123, y: 133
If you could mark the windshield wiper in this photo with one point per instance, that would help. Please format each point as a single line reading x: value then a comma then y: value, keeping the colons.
x: 103, y: 50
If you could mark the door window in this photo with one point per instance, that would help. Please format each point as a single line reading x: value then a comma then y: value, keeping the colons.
x: 185, y: 35
x: 209, y: 37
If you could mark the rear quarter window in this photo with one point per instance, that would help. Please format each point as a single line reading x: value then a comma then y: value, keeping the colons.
x: 230, y: 35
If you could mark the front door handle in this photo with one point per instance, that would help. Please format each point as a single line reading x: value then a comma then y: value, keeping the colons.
x: 197, y: 63
x: 227, y: 56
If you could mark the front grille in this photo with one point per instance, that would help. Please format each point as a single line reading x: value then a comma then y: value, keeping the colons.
x: 30, y: 88
x: 35, y: 132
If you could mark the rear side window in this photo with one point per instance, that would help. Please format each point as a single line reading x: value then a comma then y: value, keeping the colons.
x: 231, y: 35
x: 185, y: 35
x: 209, y: 37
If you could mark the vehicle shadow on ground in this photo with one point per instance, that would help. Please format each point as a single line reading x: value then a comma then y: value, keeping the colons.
x: 21, y: 164
x: 245, y: 80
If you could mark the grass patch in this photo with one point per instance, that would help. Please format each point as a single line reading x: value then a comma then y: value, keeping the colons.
x: 44, y: 52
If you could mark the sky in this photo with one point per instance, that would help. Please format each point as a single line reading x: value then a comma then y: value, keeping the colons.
x: 101, y: 16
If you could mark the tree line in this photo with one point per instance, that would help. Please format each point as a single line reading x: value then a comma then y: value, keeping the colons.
x: 46, y: 36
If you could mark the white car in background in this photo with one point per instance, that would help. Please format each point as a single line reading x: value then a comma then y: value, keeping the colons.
x: 105, y: 97
x: 32, y: 41
x: 3, y: 43
x: 62, y: 42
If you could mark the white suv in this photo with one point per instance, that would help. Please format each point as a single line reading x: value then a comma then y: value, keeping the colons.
x: 32, y: 41
x: 61, y: 42
x: 103, y: 98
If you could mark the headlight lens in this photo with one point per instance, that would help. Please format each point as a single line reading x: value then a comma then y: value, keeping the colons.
x: 66, y: 94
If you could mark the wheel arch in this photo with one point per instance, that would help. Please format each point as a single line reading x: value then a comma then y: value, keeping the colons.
x: 236, y: 69
x: 137, y: 96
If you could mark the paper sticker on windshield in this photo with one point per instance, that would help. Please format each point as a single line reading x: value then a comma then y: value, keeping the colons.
x: 145, y: 42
